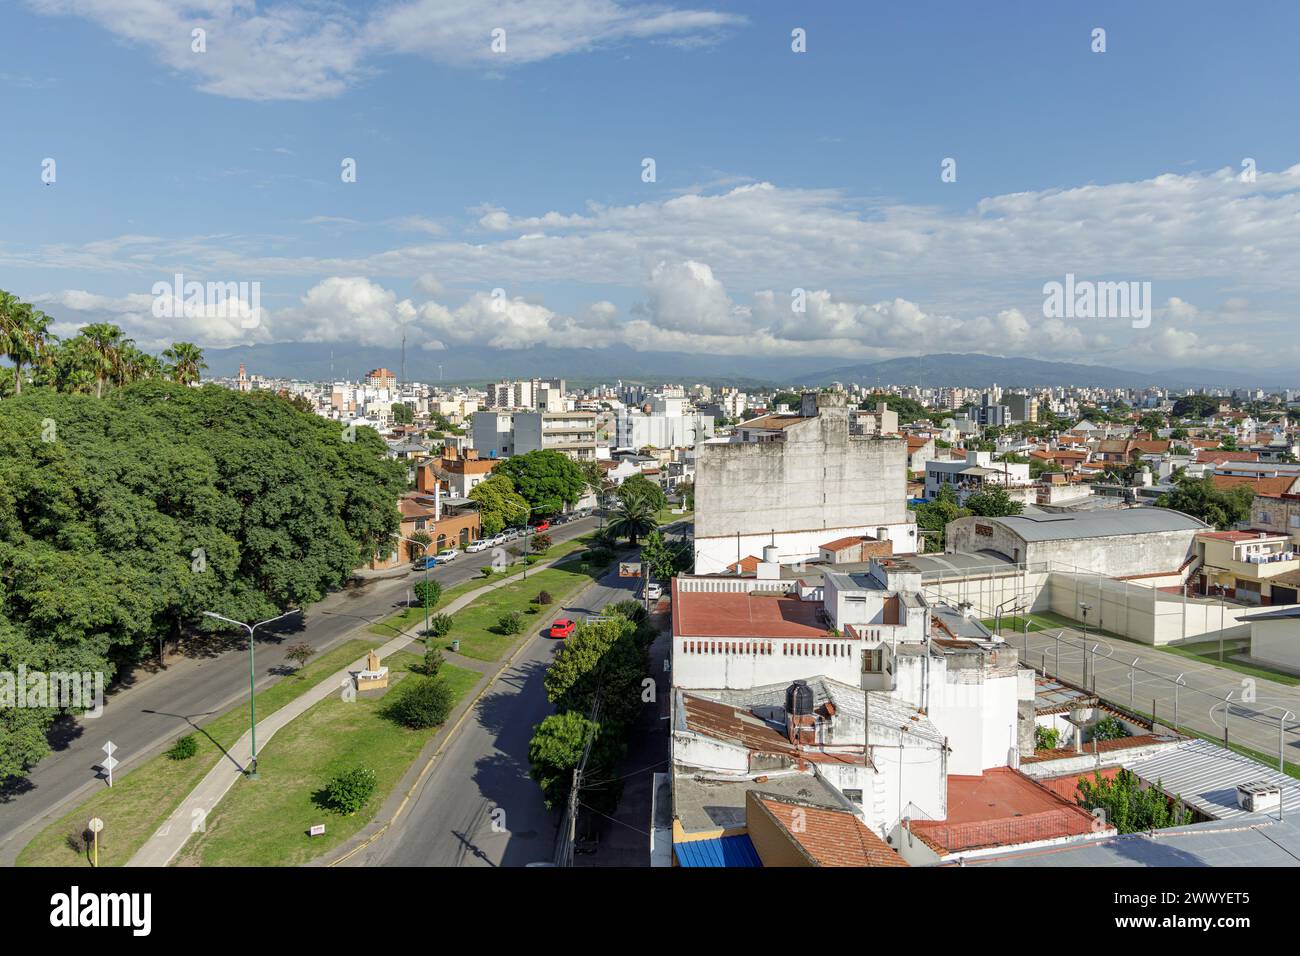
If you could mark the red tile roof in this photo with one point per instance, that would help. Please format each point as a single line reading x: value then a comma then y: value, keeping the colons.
x: 829, y: 837
x: 1217, y: 457
x: 1271, y: 486
x: 840, y: 544
x: 729, y: 614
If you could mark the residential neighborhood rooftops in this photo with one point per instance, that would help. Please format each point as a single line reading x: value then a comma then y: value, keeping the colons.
x: 704, y: 802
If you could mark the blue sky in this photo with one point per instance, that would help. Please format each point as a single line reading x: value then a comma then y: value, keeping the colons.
x: 521, y: 171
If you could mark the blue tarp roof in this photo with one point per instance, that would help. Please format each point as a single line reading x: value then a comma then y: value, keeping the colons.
x: 723, y: 851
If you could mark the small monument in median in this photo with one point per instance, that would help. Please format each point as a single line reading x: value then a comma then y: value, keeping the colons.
x: 375, y: 676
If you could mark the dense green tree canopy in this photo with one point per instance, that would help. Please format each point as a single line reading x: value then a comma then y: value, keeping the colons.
x: 1200, y: 498
x: 547, y: 479
x: 499, y: 505
x: 123, y: 518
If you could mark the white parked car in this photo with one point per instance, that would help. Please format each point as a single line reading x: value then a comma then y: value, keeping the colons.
x: 482, y: 544
x: 654, y: 591
x: 447, y: 555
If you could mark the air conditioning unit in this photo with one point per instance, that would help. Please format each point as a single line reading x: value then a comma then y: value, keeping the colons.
x: 1259, y: 796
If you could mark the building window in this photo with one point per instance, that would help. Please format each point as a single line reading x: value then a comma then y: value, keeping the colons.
x: 855, y: 796
x: 872, y: 661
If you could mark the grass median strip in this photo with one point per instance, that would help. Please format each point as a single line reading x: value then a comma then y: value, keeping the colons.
x: 408, y: 617
x: 144, y: 797
x: 265, y: 822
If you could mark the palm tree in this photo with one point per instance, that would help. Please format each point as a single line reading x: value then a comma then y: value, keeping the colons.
x: 634, y: 517
x: 24, y: 333
x: 187, y: 362
x: 106, y: 343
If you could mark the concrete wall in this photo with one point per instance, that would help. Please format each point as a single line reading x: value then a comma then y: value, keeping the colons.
x: 706, y: 663
x: 977, y: 710
x: 1140, y: 612
x: 1277, y: 642
x: 816, y: 478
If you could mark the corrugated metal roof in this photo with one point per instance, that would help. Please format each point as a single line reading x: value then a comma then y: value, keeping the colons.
x: 1260, y: 841
x: 1285, y: 612
x: 1096, y: 524
x: 1205, y: 776
x: 735, y: 851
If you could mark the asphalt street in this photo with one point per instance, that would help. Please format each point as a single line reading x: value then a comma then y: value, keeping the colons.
x: 144, y: 717
x: 478, y: 806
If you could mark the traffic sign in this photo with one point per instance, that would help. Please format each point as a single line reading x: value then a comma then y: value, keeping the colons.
x: 110, y: 761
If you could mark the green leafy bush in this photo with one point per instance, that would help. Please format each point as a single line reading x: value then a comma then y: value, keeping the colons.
x: 1108, y: 728
x: 440, y: 625
x: 423, y: 704
x: 184, y: 748
x: 347, y: 792
x: 1046, y: 738
x: 512, y: 622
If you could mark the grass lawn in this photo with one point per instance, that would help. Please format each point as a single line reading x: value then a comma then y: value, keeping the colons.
x: 142, y: 799
x: 1208, y: 652
x: 475, y: 626
x: 264, y: 822
x: 394, y: 624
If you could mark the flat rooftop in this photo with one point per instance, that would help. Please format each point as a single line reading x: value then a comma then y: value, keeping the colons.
x: 1002, y: 807
x: 735, y: 614
x: 703, y: 803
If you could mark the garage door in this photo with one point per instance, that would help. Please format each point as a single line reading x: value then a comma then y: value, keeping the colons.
x: 1281, y: 595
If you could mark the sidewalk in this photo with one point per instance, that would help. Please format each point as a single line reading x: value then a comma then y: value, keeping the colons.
x: 161, y: 848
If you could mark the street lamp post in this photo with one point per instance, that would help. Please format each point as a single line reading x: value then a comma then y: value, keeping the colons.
x: 252, y: 676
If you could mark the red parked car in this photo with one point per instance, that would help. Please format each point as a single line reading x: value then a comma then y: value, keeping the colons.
x: 563, y: 628
x: 542, y: 526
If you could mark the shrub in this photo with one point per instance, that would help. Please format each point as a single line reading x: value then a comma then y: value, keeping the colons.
x: 439, y: 625
x: 424, y: 704
x: 1108, y: 728
x: 540, y: 542
x: 432, y: 661
x: 347, y: 792
x: 184, y: 748
x: 543, y: 598
x: 1046, y: 738
x: 434, y: 590
x: 598, y: 556
x: 512, y: 622
x: 78, y: 840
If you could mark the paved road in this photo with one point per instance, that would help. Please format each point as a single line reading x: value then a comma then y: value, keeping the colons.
x: 146, y: 716
x: 484, y: 772
x: 1251, y: 723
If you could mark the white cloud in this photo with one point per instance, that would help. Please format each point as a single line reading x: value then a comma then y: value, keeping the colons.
x: 302, y: 50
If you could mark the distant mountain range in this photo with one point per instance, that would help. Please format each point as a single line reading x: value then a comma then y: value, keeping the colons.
x: 313, y: 361
x: 974, y: 370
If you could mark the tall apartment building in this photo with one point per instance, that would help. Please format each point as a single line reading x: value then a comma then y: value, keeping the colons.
x: 381, y: 378
x: 500, y: 434
x: 1022, y: 407
x: 543, y: 394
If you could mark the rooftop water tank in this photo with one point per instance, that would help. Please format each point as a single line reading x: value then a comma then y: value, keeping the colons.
x: 799, y: 698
